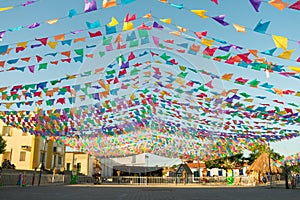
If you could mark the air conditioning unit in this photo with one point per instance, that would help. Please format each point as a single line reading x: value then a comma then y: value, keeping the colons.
x: 26, y: 147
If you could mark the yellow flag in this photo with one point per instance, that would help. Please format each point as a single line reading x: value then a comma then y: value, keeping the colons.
x: 177, y: 33
x: 113, y: 22
x: 167, y: 21
x: 181, y: 29
x: 8, y: 105
x: 286, y: 54
x: 6, y: 8
x: 239, y: 28
x: 248, y: 100
x: 52, y: 21
x: 180, y: 81
x: 200, y: 13
x: 296, y: 69
x: 22, y: 44
x: 127, y: 26
x: 280, y: 42
x: 207, y: 42
x: 52, y: 44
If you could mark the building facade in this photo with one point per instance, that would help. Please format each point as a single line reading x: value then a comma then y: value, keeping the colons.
x: 82, y: 162
x: 28, y: 152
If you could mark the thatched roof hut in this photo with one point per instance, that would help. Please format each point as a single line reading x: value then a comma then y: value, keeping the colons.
x: 260, y: 167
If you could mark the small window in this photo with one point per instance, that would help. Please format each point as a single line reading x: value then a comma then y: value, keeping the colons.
x: 6, y: 131
x: 78, y: 167
x: 24, y: 134
x: 241, y: 172
x: 59, y: 161
x: 22, y: 155
x: 68, y: 166
x: 220, y: 172
x: 208, y: 173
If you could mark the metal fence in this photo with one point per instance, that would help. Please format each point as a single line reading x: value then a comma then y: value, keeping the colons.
x: 173, y: 180
x: 31, y: 179
x: 26, y: 179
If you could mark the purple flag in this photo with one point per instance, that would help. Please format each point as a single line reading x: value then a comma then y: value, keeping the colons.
x: 220, y: 19
x: 225, y: 48
x: 90, y: 6
x: 28, y: 3
x: 255, y: 4
x: 35, y: 45
x: 157, y: 25
x: 34, y: 25
x: 96, y: 96
x: 31, y: 68
x: 1, y: 35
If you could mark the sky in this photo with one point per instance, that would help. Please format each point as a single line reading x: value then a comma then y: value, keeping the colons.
x: 282, y: 23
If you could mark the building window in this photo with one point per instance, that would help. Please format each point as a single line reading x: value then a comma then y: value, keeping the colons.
x: 220, y: 172
x: 59, y: 161
x: 196, y: 175
x: 78, y: 167
x: 68, y: 166
x: 6, y: 131
x: 22, y: 155
x: 208, y: 173
x: 24, y: 134
x: 241, y: 172
x: 6, y: 155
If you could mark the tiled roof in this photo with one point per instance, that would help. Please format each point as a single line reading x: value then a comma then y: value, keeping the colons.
x: 196, y: 165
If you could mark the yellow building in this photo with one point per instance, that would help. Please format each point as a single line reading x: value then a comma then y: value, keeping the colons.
x: 81, y: 161
x: 28, y: 152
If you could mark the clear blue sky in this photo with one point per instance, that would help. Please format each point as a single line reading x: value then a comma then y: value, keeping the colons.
x: 283, y: 23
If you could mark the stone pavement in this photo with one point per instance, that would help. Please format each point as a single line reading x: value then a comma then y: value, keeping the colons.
x: 131, y: 192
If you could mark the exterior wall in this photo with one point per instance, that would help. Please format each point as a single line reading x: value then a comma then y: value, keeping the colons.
x: 15, y: 142
x: 33, y: 146
x: 86, y: 161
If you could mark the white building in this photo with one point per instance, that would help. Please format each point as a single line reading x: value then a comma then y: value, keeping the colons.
x: 141, y: 160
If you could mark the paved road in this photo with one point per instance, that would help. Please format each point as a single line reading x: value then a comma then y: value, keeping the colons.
x: 90, y: 192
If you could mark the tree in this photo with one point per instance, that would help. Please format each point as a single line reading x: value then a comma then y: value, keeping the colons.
x: 226, y: 162
x: 2, y: 145
x: 259, y: 149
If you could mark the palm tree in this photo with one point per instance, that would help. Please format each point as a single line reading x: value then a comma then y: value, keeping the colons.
x: 259, y: 149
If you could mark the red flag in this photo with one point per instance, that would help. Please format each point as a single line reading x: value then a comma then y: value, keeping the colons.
x: 42, y: 40
x: 96, y: 34
x: 66, y: 60
x: 128, y: 18
x: 38, y: 58
x: 208, y: 51
x: 61, y: 100
x: 200, y: 34
x: 18, y: 49
x: 131, y: 56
